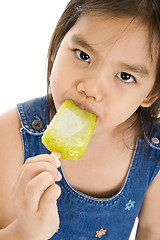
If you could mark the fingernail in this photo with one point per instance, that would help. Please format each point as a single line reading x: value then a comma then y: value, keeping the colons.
x: 56, y: 155
x: 56, y: 160
x: 58, y: 163
x: 58, y: 176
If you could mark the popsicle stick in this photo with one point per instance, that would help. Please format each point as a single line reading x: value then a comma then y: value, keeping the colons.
x: 56, y: 155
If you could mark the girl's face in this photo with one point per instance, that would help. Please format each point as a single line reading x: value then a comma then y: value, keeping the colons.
x: 103, y: 64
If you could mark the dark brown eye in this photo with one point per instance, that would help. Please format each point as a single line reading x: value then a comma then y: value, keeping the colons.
x: 126, y: 77
x: 82, y: 55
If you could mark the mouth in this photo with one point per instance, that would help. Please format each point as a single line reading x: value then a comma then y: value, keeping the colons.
x: 83, y: 105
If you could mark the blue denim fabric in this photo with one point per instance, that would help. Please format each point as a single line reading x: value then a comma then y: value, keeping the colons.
x: 87, y: 218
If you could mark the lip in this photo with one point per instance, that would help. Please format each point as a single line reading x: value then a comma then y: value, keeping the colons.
x: 83, y: 105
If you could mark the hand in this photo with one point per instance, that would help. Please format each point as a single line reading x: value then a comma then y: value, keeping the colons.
x: 35, y: 197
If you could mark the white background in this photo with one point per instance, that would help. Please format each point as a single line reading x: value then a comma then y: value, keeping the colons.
x: 25, y: 31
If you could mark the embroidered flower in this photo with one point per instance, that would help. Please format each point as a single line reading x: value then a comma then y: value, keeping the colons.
x: 130, y: 205
x: 100, y: 233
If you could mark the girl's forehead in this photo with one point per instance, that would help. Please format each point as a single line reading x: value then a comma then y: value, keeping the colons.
x: 120, y: 37
x: 106, y: 32
x: 103, y: 30
x: 109, y: 29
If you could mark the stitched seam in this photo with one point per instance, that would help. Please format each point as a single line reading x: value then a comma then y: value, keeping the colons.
x: 151, y: 144
x: 23, y: 121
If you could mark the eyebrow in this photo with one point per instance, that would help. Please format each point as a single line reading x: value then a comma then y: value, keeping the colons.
x: 139, y: 69
x: 77, y: 39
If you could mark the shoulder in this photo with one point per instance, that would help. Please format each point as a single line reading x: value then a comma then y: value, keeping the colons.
x: 11, y: 150
x: 11, y: 160
x: 149, y: 216
x: 9, y: 117
x: 9, y: 130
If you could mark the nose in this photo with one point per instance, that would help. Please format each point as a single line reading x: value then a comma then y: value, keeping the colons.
x: 91, y: 88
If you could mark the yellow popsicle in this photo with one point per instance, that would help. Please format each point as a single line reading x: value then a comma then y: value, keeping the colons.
x: 69, y: 131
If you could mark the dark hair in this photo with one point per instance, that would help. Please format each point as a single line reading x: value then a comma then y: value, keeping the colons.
x: 148, y: 11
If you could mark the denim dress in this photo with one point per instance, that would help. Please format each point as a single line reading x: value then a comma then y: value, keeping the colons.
x: 87, y: 218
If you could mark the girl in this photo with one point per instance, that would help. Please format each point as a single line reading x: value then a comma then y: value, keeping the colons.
x: 104, y: 56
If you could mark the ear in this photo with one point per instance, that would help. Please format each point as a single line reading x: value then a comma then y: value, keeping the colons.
x: 150, y: 100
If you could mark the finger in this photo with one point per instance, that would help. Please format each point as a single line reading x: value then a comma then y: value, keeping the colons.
x: 45, y: 158
x: 56, y: 155
x: 31, y: 170
x: 49, y: 198
x: 39, y: 158
x: 36, y: 187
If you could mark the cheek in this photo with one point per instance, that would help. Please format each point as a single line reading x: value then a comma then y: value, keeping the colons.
x: 58, y: 72
x: 55, y: 84
x: 56, y: 91
x: 61, y: 80
x: 123, y: 107
x: 61, y: 69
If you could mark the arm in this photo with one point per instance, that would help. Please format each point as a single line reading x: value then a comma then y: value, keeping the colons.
x: 11, y: 160
x: 28, y: 202
x: 149, y: 217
